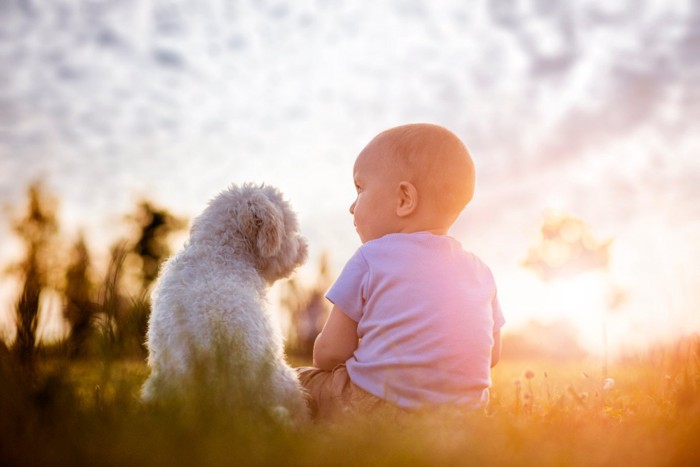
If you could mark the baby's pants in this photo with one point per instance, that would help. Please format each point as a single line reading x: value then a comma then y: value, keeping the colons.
x: 330, y: 393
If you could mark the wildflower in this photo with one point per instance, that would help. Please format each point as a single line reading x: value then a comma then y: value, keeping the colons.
x: 529, y: 374
x: 578, y: 397
x: 608, y: 384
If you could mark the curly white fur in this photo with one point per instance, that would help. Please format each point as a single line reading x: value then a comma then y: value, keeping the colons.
x: 210, y: 334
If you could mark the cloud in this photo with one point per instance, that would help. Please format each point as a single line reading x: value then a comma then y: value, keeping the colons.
x: 586, y: 106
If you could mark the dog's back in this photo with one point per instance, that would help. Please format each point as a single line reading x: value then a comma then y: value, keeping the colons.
x: 210, y: 338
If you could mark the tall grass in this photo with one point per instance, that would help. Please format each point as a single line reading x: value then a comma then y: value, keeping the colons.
x: 541, y: 413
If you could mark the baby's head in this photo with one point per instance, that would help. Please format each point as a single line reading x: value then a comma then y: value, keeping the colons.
x: 411, y: 178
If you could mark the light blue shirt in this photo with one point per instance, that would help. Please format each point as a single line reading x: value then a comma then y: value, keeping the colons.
x: 426, y: 311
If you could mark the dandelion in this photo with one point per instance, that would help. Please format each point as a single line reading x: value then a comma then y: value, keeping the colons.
x: 608, y: 384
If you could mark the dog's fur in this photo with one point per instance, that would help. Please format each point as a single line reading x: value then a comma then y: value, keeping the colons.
x: 210, y: 334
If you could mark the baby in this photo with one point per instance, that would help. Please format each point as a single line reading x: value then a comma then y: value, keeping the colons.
x: 416, y: 321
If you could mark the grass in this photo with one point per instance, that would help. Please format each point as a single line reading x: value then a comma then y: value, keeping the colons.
x: 86, y: 412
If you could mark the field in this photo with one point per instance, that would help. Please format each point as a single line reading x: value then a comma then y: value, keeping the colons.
x: 86, y: 412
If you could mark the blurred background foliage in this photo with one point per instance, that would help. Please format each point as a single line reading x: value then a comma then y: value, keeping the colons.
x: 566, y: 247
x: 106, y: 311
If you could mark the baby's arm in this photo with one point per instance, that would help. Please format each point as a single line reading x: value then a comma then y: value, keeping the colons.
x: 496, y: 350
x: 336, y: 342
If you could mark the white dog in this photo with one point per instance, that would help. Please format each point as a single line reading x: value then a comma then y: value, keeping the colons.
x: 210, y: 334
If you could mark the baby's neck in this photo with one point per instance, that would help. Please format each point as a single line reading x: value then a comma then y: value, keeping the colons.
x: 432, y: 230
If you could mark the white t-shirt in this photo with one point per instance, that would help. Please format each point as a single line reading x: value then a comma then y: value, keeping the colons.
x: 426, y: 313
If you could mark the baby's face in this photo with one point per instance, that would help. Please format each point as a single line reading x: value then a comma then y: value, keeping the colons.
x: 374, y: 208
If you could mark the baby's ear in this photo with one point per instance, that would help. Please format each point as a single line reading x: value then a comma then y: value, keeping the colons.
x: 270, y: 227
x: 407, y: 199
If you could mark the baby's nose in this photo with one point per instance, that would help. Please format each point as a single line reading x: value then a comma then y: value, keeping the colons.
x: 352, y: 207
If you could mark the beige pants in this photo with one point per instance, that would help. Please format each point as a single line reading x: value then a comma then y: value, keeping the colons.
x: 331, y: 393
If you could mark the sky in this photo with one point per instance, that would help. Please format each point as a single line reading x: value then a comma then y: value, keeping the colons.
x: 582, y: 107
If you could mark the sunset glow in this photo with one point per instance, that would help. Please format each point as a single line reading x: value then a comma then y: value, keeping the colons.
x: 121, y: 120
x: 568, y: 113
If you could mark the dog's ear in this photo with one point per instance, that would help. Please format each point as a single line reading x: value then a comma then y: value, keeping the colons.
x: 270, y: 226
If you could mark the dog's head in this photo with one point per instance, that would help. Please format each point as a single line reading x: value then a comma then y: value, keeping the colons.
x: 257, y: 222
